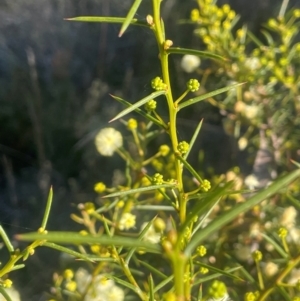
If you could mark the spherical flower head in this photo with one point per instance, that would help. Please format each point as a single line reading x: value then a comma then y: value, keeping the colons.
x: 71, y: 286
x: 252, y: 63
x: 282, y: 232
x: 132, y: 124
x: 294, y: 277
x: 271, y: 269
x: 193, y: 85
x: 251, y: 182
x: 203, y: 270
x: 99, y: 187
x: 68, y: 274
x: 89, y: 207
x: 168, y: 44
x: 158, y: 84
x: 257, y: 255
x: 250, y: 296
x: 288, y: 217
x: 151, y: 235
x: 183, y: 147
x: 7, y: 283
x: 115, y: 294
x: 195, y: 15
x: 251, y: 112
x: 107, y: 141
x: 190, y: 63
x: 296, y: 13
x: 157, y: 179
x: 127, y: 221
x: 164, y: 150
x: 159, y: 224
x: 169, y: 296
x: 242, y: 143
x: 150, y: 105
x: 205, y: 186
x: 201, y: 251
x: 217, y: 290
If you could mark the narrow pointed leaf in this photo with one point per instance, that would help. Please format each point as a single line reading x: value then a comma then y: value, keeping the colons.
x: 139, y: 190
x: 227, y: 217
x: 139, y: 111
x: 86, y: 257
x: 122, y: 282
x: 4, y: 294
x: 177, y: 50
x: 276, y: 246
x: 268, y: 37
x: 188, y: 167
x: 152, y: 269
x: 76, y: 238
x: 48, y: 208
x: 140, y: 237
x: 151, y: 288
x: 216, y: 275
x: 254, y: 39
x: 6, y: 240
x: 195, y: 135
x: 138, y: 104
x: 130, y: 16
x: 221, y: 272
x: 163, y: 283
x: 18, y: 267
x: 204, y: 205
x: 207, y: 95
x: 107, y: 20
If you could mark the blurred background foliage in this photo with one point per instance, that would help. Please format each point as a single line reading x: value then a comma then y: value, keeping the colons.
x: 55, y: 77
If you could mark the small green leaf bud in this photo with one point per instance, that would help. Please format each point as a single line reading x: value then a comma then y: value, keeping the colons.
x: 132, y: 124
x: 150, y: 105
x: 158, y: 84
x: 157, y: 179
x: 183, y: 147
x: 257, y: 255
x: 193, y: 85
x: 164, y: 150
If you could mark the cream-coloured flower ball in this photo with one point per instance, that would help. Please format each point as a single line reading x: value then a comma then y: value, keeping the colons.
x: 107, y: 141
x: 190, y: 63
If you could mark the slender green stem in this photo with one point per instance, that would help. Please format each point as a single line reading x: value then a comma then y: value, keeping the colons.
x: 177, y: 258
x: 172, y: 108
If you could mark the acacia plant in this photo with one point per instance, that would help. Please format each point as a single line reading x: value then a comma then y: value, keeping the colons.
x: 158, y: 232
